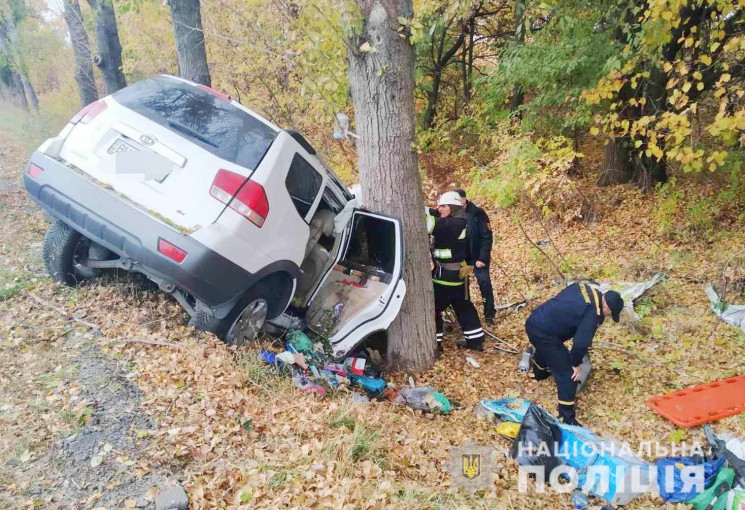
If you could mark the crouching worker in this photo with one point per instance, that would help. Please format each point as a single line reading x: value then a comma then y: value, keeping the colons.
x: 576, y: 312
x: 450, y: 272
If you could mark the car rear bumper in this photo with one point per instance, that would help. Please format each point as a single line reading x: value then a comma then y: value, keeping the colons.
x: 102, y: 216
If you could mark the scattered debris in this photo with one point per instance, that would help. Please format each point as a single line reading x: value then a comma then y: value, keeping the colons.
x: 472, y: 362
x: 426, y: 398
x: 526, y: 359
x: 508, y: 429
x: 355, y: 365
x: 673, y: 487
x: 537, y: 441
x: 734, y: 315
x: 630, y: 291
x: 505, y: 409
x: 300, y: 341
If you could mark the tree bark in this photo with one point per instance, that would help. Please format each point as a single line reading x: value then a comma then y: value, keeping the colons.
x: 616, y: 167
x: 82, y: 50
x: 187, y: 29
x: 382, y: 86
x: 109, y: 58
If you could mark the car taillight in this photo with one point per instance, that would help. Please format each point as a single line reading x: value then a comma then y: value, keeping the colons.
x: 171, y: 251
x: 34, y: 171
x: 250, y: 202
x: 214, y: 92
x: 90, y: 112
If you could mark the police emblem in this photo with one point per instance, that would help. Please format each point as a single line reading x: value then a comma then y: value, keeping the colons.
x: 470, y: 466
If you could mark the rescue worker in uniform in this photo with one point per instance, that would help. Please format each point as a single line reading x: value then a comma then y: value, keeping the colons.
x: 480, y: 239
x: 576, y: 312
x: 450, y: 271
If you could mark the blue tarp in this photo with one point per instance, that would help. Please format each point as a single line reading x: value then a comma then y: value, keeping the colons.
x: 508, y: 409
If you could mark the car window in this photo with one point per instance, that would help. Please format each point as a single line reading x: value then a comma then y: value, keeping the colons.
x: 303, y: 183
x: 201, y: 117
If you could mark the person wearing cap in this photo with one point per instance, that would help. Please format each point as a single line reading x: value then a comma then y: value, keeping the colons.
x: 447, y: 226
x: 576, y: 312
x: 480, y: 239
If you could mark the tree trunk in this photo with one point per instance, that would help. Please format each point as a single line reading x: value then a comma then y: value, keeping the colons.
x: 616, y: 168
x: 12, y: 51
x: 648, y: 171
x: 20, y: 93
x: 187, y: 30
x: 82, y: 50
x: 109, y: 58
x: 382, y: 86
x: 517, y: 91
x: 432, y: 97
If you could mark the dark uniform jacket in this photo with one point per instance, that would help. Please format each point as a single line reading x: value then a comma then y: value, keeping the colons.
x: 449, y: 245
x: 479, y: 234
x: 576, y: 312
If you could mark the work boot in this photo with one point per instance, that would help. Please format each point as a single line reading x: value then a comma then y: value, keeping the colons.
x: 473, y: 345
x: 540, y: 373
x: 440, y: 348
x: 566, y: 415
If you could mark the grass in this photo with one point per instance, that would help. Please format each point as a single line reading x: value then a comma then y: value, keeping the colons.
x: 31, y: 129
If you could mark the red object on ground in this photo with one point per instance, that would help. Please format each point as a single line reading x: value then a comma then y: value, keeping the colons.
x: 702, y: 404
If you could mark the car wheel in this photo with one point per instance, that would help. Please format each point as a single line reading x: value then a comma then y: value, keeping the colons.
x: 63, y: 248
x: 242, y: 325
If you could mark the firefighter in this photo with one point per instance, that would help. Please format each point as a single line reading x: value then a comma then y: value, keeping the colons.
x: 450, y: 272
x: 576, y: 312
x: 480, y: 239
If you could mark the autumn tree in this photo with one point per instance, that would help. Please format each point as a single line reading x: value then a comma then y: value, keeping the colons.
x: 81, y: 49
x: 13, y: 55
x: 676, y: 55
x: 381, y: 75
x: 186, y: 17
x: 109, y: 56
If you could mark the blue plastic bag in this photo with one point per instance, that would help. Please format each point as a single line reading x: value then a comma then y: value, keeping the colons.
x: 671, y: 480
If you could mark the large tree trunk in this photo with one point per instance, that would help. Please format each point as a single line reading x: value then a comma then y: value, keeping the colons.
x: 109, y: 58
x: 82, y: 50
x: 19, y: 92
x: 616, y: 168
x: 382, y: 86
x: 187, y: 30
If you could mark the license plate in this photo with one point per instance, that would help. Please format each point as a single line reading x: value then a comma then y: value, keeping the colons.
x: 121, y: 146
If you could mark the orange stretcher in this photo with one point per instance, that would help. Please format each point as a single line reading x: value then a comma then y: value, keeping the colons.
x: 702, y: 404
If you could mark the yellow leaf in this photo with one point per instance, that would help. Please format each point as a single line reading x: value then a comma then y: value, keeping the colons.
x: 367, y: 48
x: 667, y: 66
x: 697, y: 76
x: 714, y: 46
x: 700, y: 86
x: 686, y: 86
x: 705, y: 59
x: 725, y: 78
x: 594, y: 131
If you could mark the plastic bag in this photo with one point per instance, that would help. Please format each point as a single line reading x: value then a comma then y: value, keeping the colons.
x: 671, y: 478
x: 425, y: 398
x: 537, y: 441
x: 300, y: 341
x: 721, y: 485
x: 507, y: 409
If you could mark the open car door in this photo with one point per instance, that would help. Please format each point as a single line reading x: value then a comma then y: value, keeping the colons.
x: 363, y: 291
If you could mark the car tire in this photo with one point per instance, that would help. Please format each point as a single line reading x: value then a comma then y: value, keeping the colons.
x: 62, y: 245
x: 243, y: 324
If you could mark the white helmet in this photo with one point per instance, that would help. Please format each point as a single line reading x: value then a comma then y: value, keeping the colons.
x: 450, y: 198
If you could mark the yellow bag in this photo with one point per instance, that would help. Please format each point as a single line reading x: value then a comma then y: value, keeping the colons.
x: 508, y: 429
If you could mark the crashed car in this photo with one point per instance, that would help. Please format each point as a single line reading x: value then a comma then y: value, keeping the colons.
x: 231, y: 215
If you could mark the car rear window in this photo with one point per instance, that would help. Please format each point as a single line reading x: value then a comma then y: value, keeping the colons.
x: 201, y: 117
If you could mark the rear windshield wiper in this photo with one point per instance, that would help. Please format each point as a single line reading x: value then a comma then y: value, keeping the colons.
x: 192, y: 133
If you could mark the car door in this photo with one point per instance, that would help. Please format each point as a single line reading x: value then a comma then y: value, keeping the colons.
x: 363, y: 291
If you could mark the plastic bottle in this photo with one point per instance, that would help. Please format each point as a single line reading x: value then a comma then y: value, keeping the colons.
x: 579, y: 500
x: 525, y: 360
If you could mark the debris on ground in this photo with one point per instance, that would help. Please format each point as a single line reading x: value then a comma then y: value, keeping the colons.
x: 734, y: 315
x: 703, y: 403
x: 706, y: 499
x: 673, y: 476
x: 730, y: 448
x: 172, y: 498
x: 630, y: 291
x: 505, y: 409
x: 508, y: 429
x: 300, y: 341
x: 537, y: 441
x: 426, y: 398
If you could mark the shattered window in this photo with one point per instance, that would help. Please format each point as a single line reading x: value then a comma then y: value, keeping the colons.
x: 303, y: 183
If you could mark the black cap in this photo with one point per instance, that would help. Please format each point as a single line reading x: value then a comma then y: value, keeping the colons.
x: 615, y: 303
x: 461, y: 192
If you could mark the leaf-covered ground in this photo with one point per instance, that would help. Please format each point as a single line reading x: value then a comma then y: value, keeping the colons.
x: 234, y: 434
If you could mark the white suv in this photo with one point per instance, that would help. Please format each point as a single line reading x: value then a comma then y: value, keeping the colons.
x: 233, y: 216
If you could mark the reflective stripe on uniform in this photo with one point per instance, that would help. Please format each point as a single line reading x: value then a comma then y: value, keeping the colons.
x: 565, y: 403
x: 443, y: 253
x: 584, y: 293
x: 462, y: 234
x: 474, y: 335
x: 449, y: 284
x: 539, y: 367
x: 597, y: 299
x: 477, y: 330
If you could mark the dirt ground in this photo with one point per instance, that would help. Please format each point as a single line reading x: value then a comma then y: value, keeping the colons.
x: 104, y: 416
